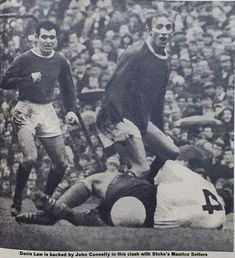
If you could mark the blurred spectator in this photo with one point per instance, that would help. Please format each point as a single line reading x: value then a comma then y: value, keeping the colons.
x: 208, y: 134
x: 113, y: 164
x: 225, y: 188
x: 225, y: 73
x: 225, y: 168
x: 227, y: 117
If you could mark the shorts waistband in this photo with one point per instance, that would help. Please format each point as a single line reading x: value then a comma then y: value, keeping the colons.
x: 35, y: 104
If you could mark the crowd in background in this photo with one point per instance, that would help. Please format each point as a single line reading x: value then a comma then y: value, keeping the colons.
x: 93, y: 34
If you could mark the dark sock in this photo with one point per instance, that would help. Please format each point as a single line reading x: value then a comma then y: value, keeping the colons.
x: 21, y: 180
x: 154, y: 168
x: 53, y: 179
x: 62, y: 211
x: 76, y: 217
x: 79, y: 218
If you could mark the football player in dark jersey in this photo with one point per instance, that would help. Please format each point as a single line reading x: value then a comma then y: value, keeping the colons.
x: 35, y: 74
x: 130, y: 117
x: 125, y: 201
x: 181, y: 199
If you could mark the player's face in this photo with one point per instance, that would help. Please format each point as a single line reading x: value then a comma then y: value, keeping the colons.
x: 161, y: 31
x: 46, y: 41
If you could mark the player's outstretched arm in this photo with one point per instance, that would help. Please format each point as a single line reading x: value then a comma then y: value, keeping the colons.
x: 200, y: 120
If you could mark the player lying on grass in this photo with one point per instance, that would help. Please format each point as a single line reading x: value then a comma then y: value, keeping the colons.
x: 183, y: 198
x: 126, y: 201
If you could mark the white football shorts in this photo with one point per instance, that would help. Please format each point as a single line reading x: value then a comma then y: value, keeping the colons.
x: 108, y: 138
x: 40, y: 119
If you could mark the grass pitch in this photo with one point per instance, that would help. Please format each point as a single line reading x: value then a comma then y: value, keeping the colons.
x: 66, y: 237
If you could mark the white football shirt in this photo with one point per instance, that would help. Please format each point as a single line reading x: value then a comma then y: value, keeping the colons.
x: 184, y: 198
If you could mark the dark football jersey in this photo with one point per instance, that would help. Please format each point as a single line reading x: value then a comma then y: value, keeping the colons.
x: 52, y: 69
x: 137, y: 88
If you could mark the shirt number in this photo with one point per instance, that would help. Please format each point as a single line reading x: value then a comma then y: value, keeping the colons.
x: 208, y: 206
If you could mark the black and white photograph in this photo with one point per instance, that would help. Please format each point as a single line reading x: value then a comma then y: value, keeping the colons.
x: 117, y: 128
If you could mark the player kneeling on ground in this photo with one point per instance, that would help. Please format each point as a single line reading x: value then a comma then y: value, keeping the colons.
x: 126, y: 201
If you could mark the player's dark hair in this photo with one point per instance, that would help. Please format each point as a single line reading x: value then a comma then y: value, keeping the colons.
x: 47, y: 25
x: 158, y: 14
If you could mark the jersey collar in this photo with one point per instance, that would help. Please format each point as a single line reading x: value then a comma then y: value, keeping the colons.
x: 37, y: 54
x: 153, y: 52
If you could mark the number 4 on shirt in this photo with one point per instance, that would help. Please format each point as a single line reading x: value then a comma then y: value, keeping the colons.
x: 208, y: 206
